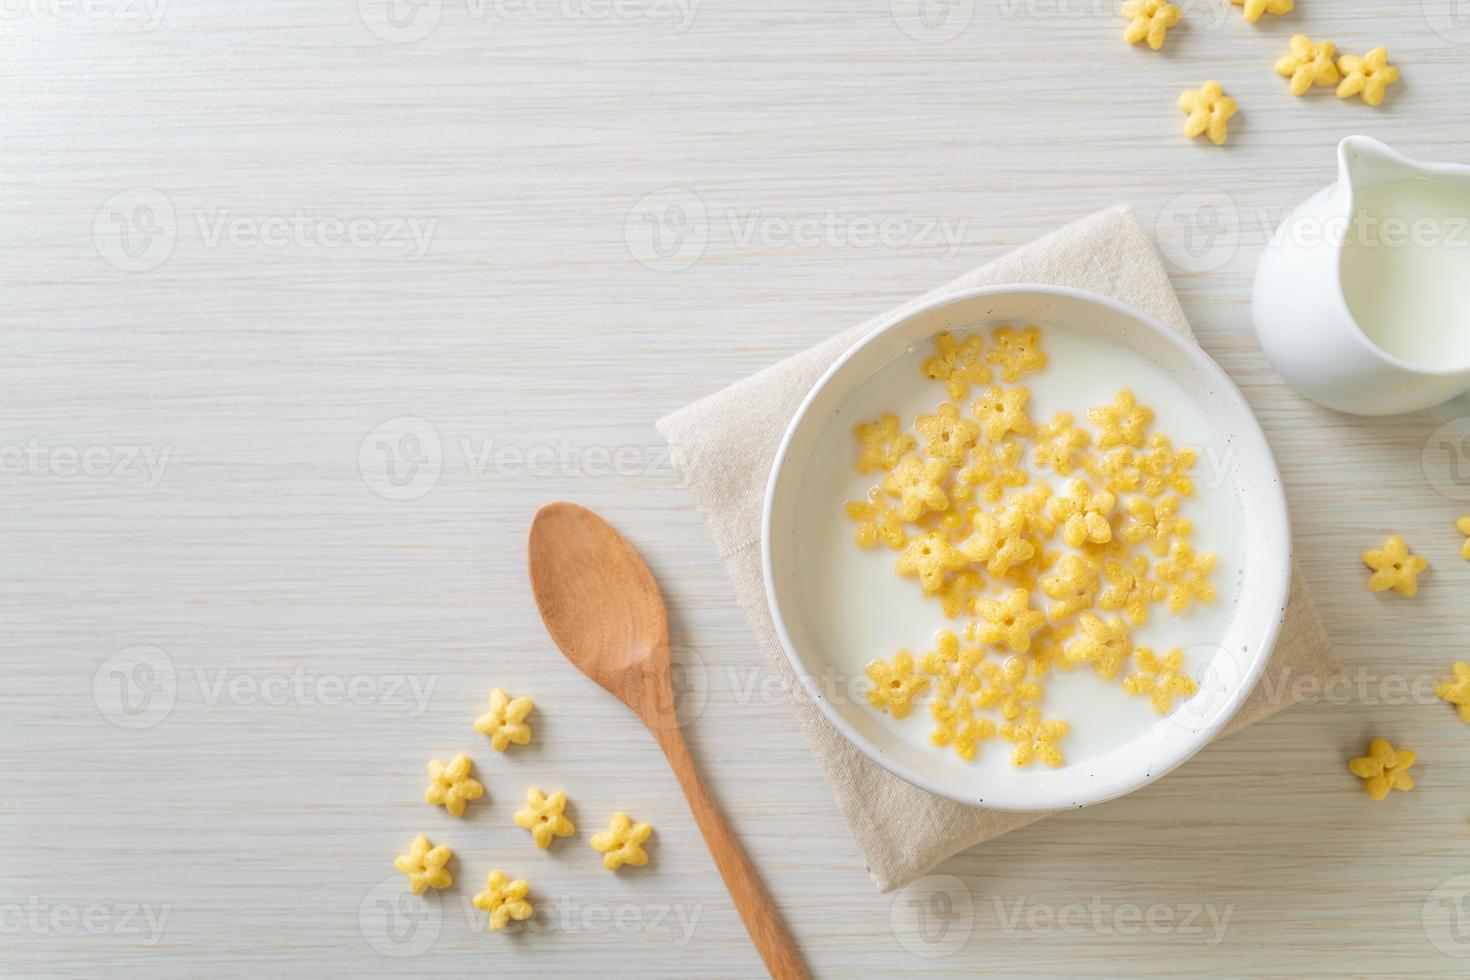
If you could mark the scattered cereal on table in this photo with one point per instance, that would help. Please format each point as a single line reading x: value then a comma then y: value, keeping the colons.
x: 622, y: 843
x: 1149, y: 20
x: 544, y: 816
x: 1463, y: 525
x: 958, y: 363
x: 504, y: 900
x: 1255, y: 8
x: 1368, y: 76
x: 451, y: 785
x: 1384, y: 769
x: 881, y: 444
x: 505, y: 722
x: 1161, y: 680
x: 1308, y: 63
x: 1394, y: 568
x: 1457, y: 691
x: 1210, y: 111
x: 425, y: 865
x: 895, y: 685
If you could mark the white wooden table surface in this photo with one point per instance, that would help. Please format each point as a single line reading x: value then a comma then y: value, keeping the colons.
x: 308, y: 307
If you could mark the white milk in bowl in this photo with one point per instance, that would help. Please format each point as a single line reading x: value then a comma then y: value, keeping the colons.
x: 1406, y: 269
x: 863, y: 610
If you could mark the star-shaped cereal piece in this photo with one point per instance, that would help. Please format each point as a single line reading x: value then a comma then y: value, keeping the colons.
x: 1008, y: 622
x: 1161, y: 680
x: 999, y: 542
x: 1210, y: 111
x: 1130, y: 590
x: 1155, y: 524
x: 895, y: 685
x: 1255, y: 8
x: 1463, y: 525
x: 1002, y: 411
x: 1368, y: 76
x: 425, y: 865
x: 505, y: 722
x: 622, y: 843
x: 1186, y: 574
x: 955, y: 595
x: 1060, y: 445
x: 1164, y: 469
x: 993, y: 470
x: 1083, y: 514
x: 1123, y: 423
x: 1394, y: 568
x: 877, y: 520
x: 1118, y: 469
x: 1104, y: 643
x: 881, y: 444
x: 1457, y: 691
x: 1005, y: 687
x: 1072, y: 589
x: 544, y: 816
x: 1034, y: 738
x: 951, y: 666
x: 919, y: 486
x: 1016, y: 352
x: 1308, y: 63
x: 504, y: 900
x: 1149, y: 20
x: 956, y: 726
x: 958, y: 363
x: 450, y: 784
x: 946, y: 435
x: 1383, y: 769
x: 930, y: 557
x: 1048, y: 649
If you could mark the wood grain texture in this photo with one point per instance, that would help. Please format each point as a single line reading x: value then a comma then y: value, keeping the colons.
x: 326, y: 576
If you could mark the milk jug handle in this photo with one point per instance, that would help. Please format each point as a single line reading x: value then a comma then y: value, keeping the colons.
x: 1456, y: 411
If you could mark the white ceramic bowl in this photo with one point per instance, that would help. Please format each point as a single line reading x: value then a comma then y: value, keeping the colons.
x: 1258, y: 599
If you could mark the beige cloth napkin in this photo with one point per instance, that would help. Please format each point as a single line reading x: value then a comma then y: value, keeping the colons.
x: 726, y: 443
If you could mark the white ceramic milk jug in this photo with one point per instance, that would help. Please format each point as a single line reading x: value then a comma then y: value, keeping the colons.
x: 1362, y: 298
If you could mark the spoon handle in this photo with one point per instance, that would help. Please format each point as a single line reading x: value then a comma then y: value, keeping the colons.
x: 760, y: 917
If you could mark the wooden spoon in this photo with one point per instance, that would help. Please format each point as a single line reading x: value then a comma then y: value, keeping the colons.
x: 602, y: 607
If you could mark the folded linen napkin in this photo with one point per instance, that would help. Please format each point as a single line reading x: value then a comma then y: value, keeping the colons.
x: 725, y: 445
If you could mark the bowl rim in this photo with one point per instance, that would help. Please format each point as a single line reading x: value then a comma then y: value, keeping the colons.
x: 1263, y: 650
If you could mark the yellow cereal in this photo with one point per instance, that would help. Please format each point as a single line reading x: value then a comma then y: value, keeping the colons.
x: 1123, y: 423
x: 425, y: 865
x: 544, y: 816
x: 1016, y: 352
x: 956, y: 726
x: 450, y: 784
x: 1155, y: 524
x: 1104, y: 643
x: 919, y: 486
x: 1394, y: 568
x: 895, y: 685
x: 877, y: 520
x: 947, y: 436
x: 1060, y: 445
x: 1308, y: 63
x: 1002, y: 411
x: 1463, y: 525
x: 505, y: 722
x: 1117, y: 470
x: 994, y: 468
x: 1149, y: 20
x: 1161, y: 680
x: 1005, y: 687
x: 999, y: 542
x: 1130, y: 590
x: 1010, y: 622
x: 1186, y: 574
x: 1083, y: 514
x: 1255, y: 8
x: 1164, y: 469
x: 504, y: 900
x: 1383, y: 769
x: 958, y: 363
x: 1048, y: 651
x: 1034, y: 739
x: 1457, y: 691
x: 929, y: 558
x: 1368, y: 76
x: 1072, y: 589
x: 1210, y: 111
x: 1028, y: 574
x: 951, y: 666
x: 955, y: 595
x: 622, y: 843
x: 881, y: 444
